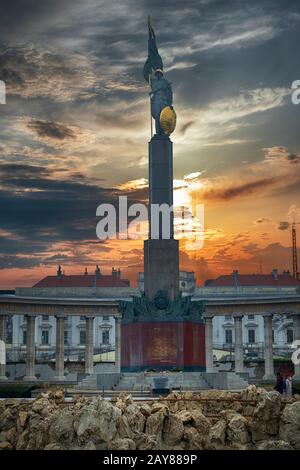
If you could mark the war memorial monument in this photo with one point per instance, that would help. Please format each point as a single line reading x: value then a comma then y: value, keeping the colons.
x: 161, y: 329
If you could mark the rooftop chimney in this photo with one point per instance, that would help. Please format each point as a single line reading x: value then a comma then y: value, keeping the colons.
x: 235, y: 277
x: 97, y: 271
x: 275, y: 274
x: 59, y: 272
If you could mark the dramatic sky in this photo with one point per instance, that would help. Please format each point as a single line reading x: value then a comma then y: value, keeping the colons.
x: 75, y: 127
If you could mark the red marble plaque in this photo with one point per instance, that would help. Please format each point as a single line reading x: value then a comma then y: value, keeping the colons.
x: 163, y: 345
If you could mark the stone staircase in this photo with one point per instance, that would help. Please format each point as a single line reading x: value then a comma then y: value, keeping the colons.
x: 88, y: 383
x: 143, y: 382
x: 176, y: 381
x: 235, y: 381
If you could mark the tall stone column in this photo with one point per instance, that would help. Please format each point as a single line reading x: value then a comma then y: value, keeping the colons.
x: 60, y: 350
x: 3, y: 338
x: 118, y: 344
x: 209, y: 358
x: 89, y: 345
x: 238, y: 351
x: 30, y: 348
x: 268, y: 347
x: 296, y: 321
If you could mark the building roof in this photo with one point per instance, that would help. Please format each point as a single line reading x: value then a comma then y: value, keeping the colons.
x: 273, y: 279
x: 82, y: 280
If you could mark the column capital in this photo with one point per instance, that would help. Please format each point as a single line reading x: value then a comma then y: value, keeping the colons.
x: 60, y: 316
x: 30, y: 315
x: 267, y: 315
x: 208, y: 317
x: 238, y: 316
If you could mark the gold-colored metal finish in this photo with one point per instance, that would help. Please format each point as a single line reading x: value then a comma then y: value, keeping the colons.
x: 168, y: 120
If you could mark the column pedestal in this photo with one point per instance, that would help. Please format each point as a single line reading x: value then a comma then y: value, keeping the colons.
x: 3, y: 338
x: 296, y: 320
x: 30, y: 349
x: 209, y: 358
x: 60, y: 352
x: 239, y: 351
x: 268, y: 348
x: 118, y: 345
x: 89, y: 345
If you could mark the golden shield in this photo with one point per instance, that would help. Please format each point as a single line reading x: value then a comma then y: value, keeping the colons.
x: 167, y: 120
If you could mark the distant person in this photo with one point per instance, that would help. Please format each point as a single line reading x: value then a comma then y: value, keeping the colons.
x: 280, y: 384
x: 288, y: 386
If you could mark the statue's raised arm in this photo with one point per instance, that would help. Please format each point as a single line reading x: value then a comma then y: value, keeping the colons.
x: 161, y: 91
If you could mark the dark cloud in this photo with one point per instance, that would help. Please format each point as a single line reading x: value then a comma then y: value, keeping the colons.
x: 38, y: 209
x: 51, y: 129
x: 283, y: 225
x: 293, y: 158
x: 241, y: 190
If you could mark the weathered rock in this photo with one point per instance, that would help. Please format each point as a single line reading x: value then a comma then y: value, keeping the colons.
x: 154, y: 424
x: 160, y: 407
x: 194, y: 441
x: 122, y: 444
x: 98, y: 422
x: 23, y: 416
x: 123, y: 428
x: 274, y: 445
x: 61, y: 429
x: 11, y: 436
x: 265, y: 422
x: 185, y: 416
x: 173, y: 430
x: 237, y: 429
x: 200, y: 422
x: 290, y: 425
x: 53, y: 446
x: 135, y: 417
x: 5, y: 445
x: 7, y: 420
x: 22, y: 440
x: 217, y: 435
x: 145, y: 409
x: 147, y: 442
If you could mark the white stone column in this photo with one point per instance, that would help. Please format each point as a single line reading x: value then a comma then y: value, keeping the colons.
x: 3, y: 338
x: 60, y: 349
x: 296, y: 321
x: 89, y: 345
x: 209, y: 357
x: 30, y: 348
x: 238, y: 350
x: 118, y: 344
x: 268, y: 347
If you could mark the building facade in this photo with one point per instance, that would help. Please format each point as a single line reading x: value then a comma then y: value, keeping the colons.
x: 252, y: 325
x: 74, y: 326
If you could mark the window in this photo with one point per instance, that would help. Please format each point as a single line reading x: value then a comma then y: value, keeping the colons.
x: 105, y: 318
x: 250, y: 317
x: 66, y: 337
x: 105, y: 337
x: 228, y: 317
x: 45, y: 318
x: 273, y: 336
x: 82, y: 337
x: 24, y: 336
x: 45, y: 337
x: 82, y: 318
x: 289, y: 336
x: 228, y: 336
x: 251, y: 336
